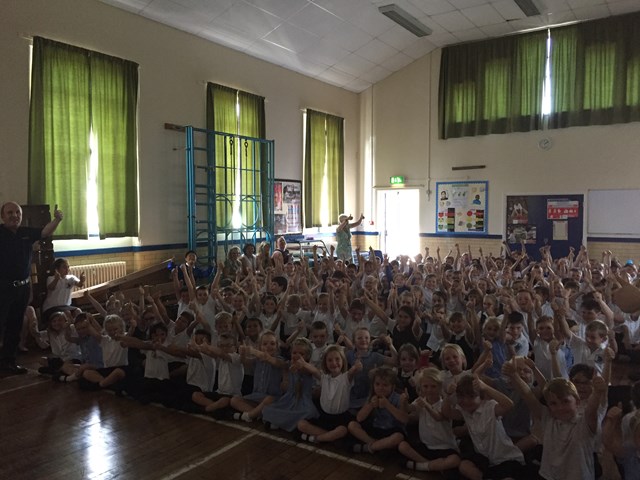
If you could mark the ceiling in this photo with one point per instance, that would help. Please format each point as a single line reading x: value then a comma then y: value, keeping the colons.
x: 348, y: 43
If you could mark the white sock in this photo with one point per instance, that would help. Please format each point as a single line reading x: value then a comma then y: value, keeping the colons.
x: 245, y: 416
x: 422, y: 466
x: 71, y: 378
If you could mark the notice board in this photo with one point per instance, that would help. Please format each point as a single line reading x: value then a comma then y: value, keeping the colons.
x: 462, y: 207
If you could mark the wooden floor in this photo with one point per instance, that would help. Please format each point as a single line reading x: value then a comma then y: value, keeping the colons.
x: 55, y: 431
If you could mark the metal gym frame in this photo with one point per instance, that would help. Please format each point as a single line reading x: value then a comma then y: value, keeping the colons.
x: 240, y: 211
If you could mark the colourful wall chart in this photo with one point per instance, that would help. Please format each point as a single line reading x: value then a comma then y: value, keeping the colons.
x: 461, y: 207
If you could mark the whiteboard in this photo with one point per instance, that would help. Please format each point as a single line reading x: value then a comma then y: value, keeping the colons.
x: 614, y: 212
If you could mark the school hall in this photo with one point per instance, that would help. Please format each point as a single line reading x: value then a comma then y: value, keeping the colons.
x: 391, y: 129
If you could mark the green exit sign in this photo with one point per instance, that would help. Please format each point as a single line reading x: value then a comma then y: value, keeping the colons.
x: 397, y: 180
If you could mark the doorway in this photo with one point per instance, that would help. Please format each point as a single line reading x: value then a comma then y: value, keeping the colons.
x: 399, y: 219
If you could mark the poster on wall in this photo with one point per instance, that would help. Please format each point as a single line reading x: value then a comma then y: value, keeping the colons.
x: 519, y: 233
x: 561, y: 209
x: 461, y: 207
x: 287, y: 206
x: 517, y: 211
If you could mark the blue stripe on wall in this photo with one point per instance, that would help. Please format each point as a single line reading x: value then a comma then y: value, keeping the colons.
x: 613, y: 239
x: 103, y: 251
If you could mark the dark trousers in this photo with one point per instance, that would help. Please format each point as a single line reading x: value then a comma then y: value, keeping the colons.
x: 13, y: 303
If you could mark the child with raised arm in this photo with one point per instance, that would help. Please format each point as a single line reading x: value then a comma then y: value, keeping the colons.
x: 65, y: 356
x: 296, y: 404
x: 114, y: 356
x: 626, y: 450
x: 252, y: 331
x: 547, y: 350
x: 199, y: 297
x: 590, y: 349
x: 370, y: 360
x: 462, y: 332
x: 200, y: 371
x: 155, y: 385
x: 493, y: 336
x: 380, y: 422
x: 437, y: 450
x: 267, y: 377
x: 288, y: 319
x: 319, y: 336
x: 481, y: 407
x: 59, y: 288
x: 335, y: 386
x: 325, y: 310
x: 88, y: 338
x: 455, y: 364
x: 517, y: 422
x: 408, y: 359
x: 268, y: 310
x: 569, y: 437
x: 230, y: 374
x: 407, y: 328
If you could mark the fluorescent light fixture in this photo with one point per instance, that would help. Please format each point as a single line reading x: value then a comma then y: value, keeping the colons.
x: 405, y: 20
x: 528, y: 7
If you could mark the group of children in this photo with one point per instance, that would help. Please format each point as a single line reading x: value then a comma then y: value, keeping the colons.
x: 485, y: 367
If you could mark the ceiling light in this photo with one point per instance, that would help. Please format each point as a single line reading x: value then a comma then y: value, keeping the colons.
x: 405, y: 20
x: 528, y: 7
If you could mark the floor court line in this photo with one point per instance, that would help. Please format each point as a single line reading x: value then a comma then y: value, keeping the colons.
x: 211, y: 456
x: 304, y: 446
x: 24, y: 386
x: 309, y: 447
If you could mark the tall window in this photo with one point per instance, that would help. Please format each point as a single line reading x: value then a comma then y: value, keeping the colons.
x: 493, y: 86
x: 240, y: 171
x: 83, y: 139
x: 595, y: 72
x: 582, y: 74
x: 323, y: 169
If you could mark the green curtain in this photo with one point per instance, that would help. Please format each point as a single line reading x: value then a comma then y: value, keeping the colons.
x: 221, y: 117
x: 114, y: 97
x: 323, y: 168
x: 335, y: 167
x: 314, y: 160
x: 59, y: 127
x: 493, y: 86
x: 240, y: 165
x: 595, y: 72
x: 253, y: 160
x: 73, y: 90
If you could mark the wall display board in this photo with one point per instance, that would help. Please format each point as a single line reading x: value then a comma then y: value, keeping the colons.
x: 287, y: 206
x: 461, y: 207
x: 545, y: 220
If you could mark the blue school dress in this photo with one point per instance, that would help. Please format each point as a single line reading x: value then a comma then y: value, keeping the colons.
x: 294, y: 405
x: 266, y: 382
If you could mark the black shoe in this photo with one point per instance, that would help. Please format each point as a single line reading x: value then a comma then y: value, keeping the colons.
x: 634, y: 376
x: 11, y: 368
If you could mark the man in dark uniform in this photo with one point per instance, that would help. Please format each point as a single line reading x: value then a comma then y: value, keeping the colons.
x: 16, y: 245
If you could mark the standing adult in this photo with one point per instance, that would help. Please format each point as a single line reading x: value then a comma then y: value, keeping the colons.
x: 16, y: 246
x: 343, y: 236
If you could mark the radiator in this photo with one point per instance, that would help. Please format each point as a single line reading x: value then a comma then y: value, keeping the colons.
x: 98, y: 273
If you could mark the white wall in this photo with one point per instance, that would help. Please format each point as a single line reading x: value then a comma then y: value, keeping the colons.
x: 406, y: 141
x: 174, y: 67
x: 393, y: 125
